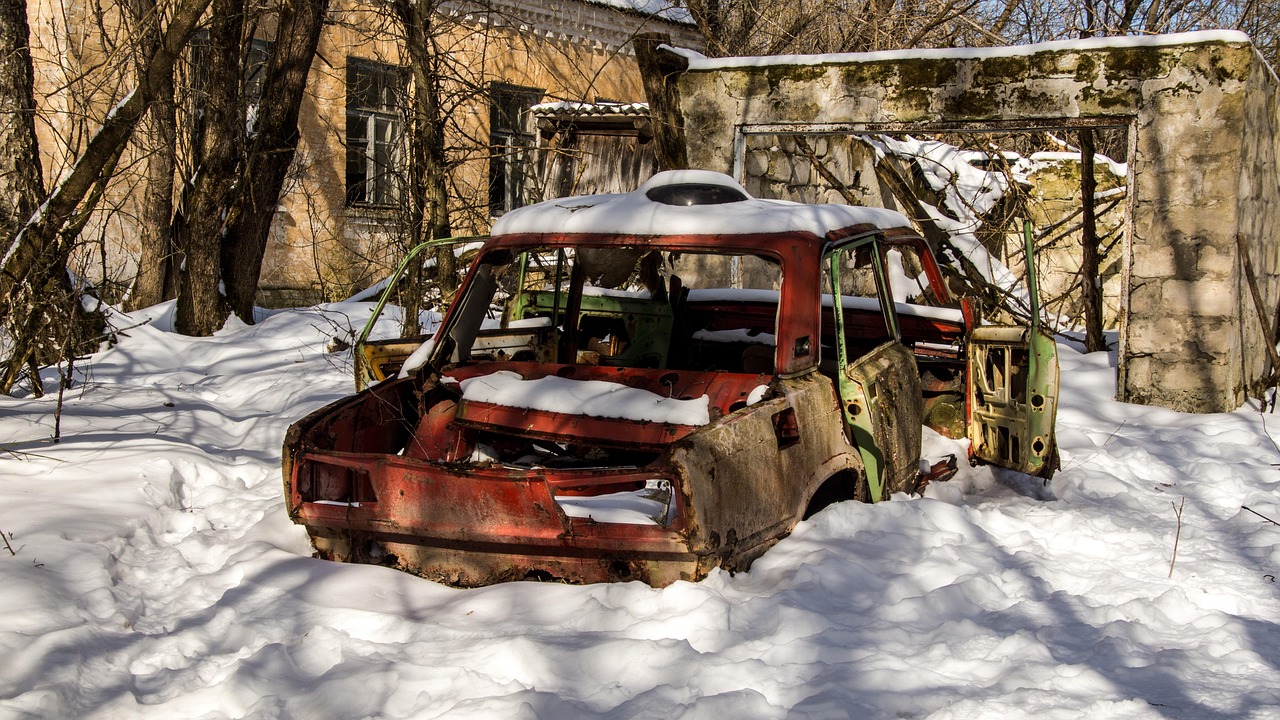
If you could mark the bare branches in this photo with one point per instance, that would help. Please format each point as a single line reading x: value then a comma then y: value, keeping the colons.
x: 43, y: 318
x: 105, y: 146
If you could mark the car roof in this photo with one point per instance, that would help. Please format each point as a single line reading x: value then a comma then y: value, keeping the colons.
x: 689, y: 202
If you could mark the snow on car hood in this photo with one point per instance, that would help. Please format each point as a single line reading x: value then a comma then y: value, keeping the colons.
x: 594, y: 398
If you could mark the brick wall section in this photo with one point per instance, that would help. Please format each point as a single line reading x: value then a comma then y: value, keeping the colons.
x: 1203, y: 119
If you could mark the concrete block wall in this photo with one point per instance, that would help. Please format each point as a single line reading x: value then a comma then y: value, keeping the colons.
x: 1201, y: 112
x: 1259, y: 210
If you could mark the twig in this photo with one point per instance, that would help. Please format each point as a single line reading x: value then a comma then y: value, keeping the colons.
x: 64, y: 379
x: 1255, y: 512
x: 1177, y: 510
x: 8, y: 547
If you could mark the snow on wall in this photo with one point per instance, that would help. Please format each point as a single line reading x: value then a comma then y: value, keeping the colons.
x: 698, y: 61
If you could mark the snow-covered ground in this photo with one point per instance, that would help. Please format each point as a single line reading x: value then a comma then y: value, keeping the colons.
x: 157, y: 576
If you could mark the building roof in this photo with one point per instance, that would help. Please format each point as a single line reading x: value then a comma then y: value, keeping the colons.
x: 654, y: 8
x: 569, y: 109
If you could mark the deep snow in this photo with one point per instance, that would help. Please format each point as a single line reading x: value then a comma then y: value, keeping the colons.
x: 157, y: 576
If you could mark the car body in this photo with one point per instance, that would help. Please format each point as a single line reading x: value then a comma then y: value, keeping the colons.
x: 650, y: 385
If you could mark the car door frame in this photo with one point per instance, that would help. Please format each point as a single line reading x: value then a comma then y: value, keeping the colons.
x: 878, y: 391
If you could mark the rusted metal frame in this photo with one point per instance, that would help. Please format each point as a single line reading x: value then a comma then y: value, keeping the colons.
x: 910, y: 238
x: 569, y: 339
x: 1033, y: 284
x: 601, y: 484
x: 799, y: 311
x: 797, y: 305
x: 936, y: 354
x: 533, y: 553
x: 450, y: 317
x: 923, y: 327
x: 715, y: 243
x: 504, y: 509
x: 390, y: 396
x: 585, y: 539
x: 723, y: 315
x: 878, y: 267
x: 872, y: 456
x: 394, y: 281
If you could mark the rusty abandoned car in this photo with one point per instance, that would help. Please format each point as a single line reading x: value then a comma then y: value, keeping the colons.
x: 650, y: 385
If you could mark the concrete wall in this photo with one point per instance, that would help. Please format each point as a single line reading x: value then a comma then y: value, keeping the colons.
x: 773, y: 166
x: 1201, y: 109
x: 1259, y: 210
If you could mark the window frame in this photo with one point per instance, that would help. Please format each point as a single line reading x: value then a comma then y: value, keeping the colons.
x: 375, y: 94
x: 511, y: 141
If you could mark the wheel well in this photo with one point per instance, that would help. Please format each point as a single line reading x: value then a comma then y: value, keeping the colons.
x: 844, y: 485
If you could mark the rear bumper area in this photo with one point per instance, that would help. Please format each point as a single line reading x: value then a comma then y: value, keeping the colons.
x: 470, y: 564
x: 472, y: 526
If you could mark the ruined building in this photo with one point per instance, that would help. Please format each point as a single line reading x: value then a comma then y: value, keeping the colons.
x: 1200, y: 114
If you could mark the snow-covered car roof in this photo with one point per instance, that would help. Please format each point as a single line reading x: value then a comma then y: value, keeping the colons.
x: 688, y: 202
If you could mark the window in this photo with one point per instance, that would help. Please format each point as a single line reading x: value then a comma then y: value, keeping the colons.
x: 374, y: 157
x: 509, y: 141
x: 254, y: 70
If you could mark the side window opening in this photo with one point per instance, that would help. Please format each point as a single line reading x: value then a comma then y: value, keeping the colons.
x: 631, y: 307
x: 852, y: 276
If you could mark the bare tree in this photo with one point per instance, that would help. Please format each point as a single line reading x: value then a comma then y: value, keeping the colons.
x: 42, y: 315
x: 157, y: 276
x: 202, y: 308
x: 242, y: 156
x: 427, y: 206
x: 271, y: 150
x: 761, y: 27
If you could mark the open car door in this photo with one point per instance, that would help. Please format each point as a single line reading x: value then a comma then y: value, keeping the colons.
x: 877, y: 378
x: 377, y: 360
x: 1013, y: 391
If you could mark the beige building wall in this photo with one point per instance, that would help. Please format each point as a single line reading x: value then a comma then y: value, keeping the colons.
x: 320, y: 247
x: 324, y: 249
x: 80, y: 72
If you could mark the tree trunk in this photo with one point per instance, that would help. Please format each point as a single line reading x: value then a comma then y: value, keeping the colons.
x: 28, y: 283
x: 157, y: 278
x: 1091, y: 262
x: 427, y: 192
x: 103, y: 149
x: 21, y: 180
x: 659, y: 69
x: 272, y: 149
x: 42, y: 317
x: 202, y: 310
